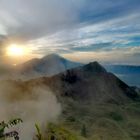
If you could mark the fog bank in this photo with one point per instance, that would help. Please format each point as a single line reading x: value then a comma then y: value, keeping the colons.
x: 32, y: 105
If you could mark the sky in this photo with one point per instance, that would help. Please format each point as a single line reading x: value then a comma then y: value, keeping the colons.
x: 107, y: 31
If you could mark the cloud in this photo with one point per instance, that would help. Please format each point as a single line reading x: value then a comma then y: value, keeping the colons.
x: 93, y: 47
x: 3, y: 39
x: 126, y: 55
x: 102, y: 10
x: 31, y: 19
x: 32, y: 104
x: 63, y: 26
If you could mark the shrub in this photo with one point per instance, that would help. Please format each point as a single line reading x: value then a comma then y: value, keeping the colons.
x: 116, y: 116
x: 11, y: 123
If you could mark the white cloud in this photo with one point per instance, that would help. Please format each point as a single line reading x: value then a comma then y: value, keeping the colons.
x: 60, y: 25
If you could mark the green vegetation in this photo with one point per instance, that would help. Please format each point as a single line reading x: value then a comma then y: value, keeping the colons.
x: 11, y: 123
x: 38, y: 135
x: 116, y: 116
x: 89, y: 122
x: 105, y: 121
x: 58, y: 132
x: 55, y: 132
x: 95, y: 122
x: 84, y: 131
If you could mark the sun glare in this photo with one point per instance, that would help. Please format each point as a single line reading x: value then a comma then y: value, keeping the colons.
x: 15, y: 50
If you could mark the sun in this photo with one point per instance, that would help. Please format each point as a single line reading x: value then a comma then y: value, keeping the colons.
x: 15, y: 50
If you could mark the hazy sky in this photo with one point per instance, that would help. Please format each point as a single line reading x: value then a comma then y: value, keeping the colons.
x: 83, y: 30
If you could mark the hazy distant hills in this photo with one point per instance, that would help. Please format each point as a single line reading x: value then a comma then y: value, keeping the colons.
x: 90, y: 82
x: 123, y: 69
x: 47, y: 66
x: 53, y: 64
x: 127, y: 73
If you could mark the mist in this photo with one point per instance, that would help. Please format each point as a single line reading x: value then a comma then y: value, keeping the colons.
x: 32, y: 105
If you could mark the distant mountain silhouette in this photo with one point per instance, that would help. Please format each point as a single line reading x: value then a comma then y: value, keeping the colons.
x: 127, y: 73
x: 123, y: 69
x: 47, y: 66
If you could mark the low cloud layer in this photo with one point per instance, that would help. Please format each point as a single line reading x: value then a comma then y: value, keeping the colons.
x: 36, y: 105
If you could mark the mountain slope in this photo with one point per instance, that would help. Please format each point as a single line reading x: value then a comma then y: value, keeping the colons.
x: 49, y: 65
x: 95, y: 104
x: 90, y: 82
x: 95, y: 101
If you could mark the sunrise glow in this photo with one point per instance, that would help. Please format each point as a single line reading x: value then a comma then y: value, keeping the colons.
x: 15, y: 50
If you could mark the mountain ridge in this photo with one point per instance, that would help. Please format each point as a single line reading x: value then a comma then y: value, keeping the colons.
x: 46, y: 66
x: 96, y: 85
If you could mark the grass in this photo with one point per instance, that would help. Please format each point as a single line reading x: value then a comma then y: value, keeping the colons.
x: 58, y: 132
x: 103, y: 121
